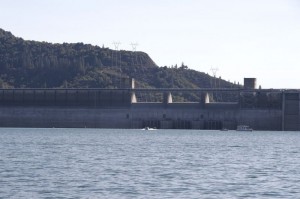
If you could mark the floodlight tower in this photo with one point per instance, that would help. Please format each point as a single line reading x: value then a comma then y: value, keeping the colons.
x: 118, y: 59
x: 214, y: 71
x: 134, y: 45
x: 116, y: 44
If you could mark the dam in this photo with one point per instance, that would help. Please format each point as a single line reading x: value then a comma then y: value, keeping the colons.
x: 261, y: 109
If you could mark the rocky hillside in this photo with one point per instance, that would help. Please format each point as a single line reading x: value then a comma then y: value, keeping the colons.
x: 46, y: 65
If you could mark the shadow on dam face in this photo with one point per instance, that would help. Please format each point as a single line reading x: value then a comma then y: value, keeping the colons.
x: 114, y: 108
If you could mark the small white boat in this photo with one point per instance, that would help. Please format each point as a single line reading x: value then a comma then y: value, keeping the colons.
x: 224, y: 129
x: 147, y: 128
x: 243, y: 128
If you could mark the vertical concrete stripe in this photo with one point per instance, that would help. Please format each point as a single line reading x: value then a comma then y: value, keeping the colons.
x: 283, y: 112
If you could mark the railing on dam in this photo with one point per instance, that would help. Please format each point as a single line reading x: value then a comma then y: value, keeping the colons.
x: 97, y: 97
x: 64, y: 97
x: 266, y: 109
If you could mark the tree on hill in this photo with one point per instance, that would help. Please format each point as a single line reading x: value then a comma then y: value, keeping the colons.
x: 32, y: 64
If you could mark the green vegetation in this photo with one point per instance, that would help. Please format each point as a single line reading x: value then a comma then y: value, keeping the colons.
x: 40, y: 64
x: 32, y: 64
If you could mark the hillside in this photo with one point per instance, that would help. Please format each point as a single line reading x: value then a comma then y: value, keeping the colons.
x: 45, y: 65
x: 40, y: 64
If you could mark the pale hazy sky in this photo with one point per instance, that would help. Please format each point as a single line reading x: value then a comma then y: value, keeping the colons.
x: 243, y: 38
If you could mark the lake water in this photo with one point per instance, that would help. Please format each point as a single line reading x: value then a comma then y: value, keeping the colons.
x: 97, y: 163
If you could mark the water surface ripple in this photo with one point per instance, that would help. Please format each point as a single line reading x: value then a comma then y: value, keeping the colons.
x: 98, y: 163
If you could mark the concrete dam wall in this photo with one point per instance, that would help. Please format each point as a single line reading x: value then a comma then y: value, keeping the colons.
x: 121, y: 108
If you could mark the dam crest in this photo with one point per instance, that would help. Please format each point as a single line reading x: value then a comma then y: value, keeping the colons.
x: 214, y: 108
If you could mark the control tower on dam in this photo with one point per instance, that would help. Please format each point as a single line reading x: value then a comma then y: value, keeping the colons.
x: 206, y: 108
